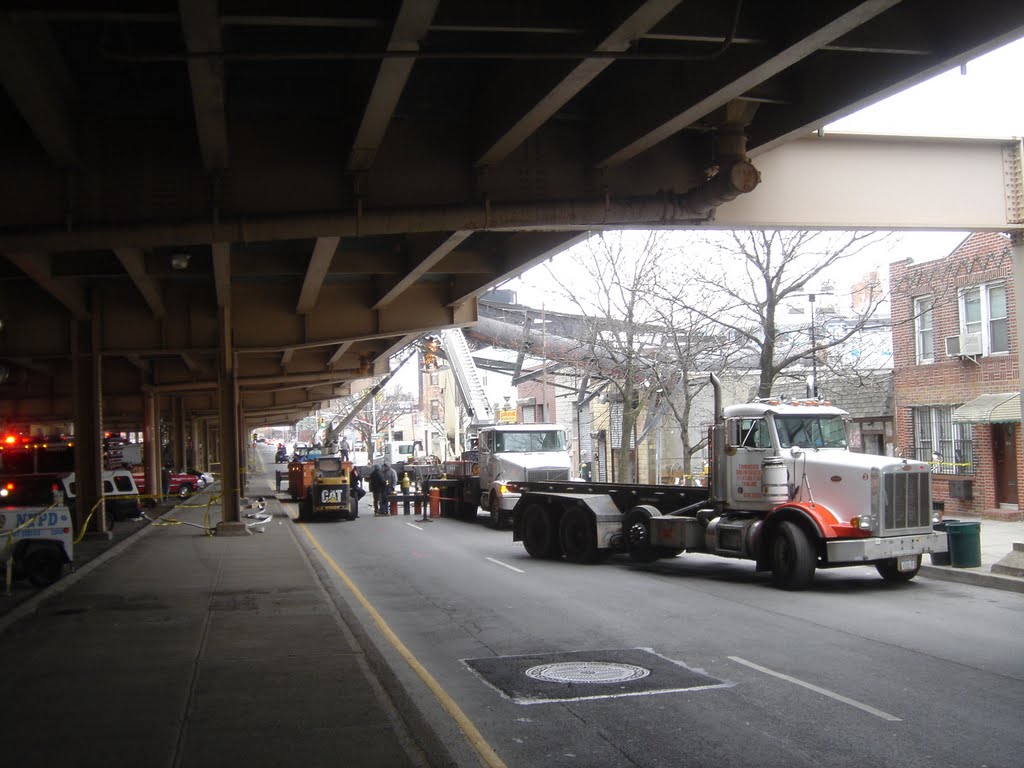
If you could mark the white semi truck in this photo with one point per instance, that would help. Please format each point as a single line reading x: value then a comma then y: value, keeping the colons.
x: 505, y: 454
x: 784, y: 491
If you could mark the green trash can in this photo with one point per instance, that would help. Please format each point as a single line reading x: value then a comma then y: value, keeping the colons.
x: 942, y: 558
x: 964, y: 544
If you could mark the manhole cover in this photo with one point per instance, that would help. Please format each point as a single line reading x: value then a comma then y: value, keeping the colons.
x: 587, y: 672
x: 539, y: 678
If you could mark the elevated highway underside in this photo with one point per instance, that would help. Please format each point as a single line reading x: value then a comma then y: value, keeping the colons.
x: 235, y: 209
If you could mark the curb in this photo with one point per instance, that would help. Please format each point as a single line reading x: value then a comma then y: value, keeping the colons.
x: 972, y: 576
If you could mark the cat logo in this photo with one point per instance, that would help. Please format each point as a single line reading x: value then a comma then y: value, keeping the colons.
x: 332, y: 496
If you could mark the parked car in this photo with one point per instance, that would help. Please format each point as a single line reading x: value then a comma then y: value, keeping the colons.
x: 182, y: 484
x: 203, y: 479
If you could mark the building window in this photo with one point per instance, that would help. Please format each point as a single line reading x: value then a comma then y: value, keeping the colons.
x: 941, y: 442
x: 983, y: 310
x: 435, y: 409
x: 923, y: 334
x: 533, y: 414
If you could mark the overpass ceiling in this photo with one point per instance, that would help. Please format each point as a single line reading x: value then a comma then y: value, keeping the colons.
x: 334, y: 179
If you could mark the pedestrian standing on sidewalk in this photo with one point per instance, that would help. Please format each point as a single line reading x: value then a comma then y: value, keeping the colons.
x: 377, y: 489
x: 390, y: 478
x: 355, y: 485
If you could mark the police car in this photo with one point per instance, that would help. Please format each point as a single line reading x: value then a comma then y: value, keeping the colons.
x: 37, y: 541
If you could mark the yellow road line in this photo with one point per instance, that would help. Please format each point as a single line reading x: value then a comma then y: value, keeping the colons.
x: 473, y: 736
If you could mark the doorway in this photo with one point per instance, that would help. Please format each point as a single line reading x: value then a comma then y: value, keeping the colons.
x: 1004, y: 457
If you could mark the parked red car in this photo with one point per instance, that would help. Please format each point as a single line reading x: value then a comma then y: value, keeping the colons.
x: 180, y: 484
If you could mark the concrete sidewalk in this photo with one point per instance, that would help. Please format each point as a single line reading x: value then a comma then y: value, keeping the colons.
x: 998, y: 538
x: 177, y: 648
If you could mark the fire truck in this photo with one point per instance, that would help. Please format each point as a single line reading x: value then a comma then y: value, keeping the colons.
x: 30, y: 467
x: 784, y: 491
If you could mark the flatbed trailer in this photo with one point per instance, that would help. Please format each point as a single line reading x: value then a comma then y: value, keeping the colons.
x: 785, y: 491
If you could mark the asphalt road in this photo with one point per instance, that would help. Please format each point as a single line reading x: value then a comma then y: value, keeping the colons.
x: 695, y: 661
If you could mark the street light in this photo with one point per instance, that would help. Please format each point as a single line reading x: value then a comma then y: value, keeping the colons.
x: 814, y: 353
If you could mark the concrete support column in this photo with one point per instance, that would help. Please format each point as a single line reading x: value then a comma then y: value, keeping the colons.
x: 230, y: 455
x: 87, y: 402
x: 178, y: 432
x: 199, y: 444
x: 151, y: 447
x: 212, y: 448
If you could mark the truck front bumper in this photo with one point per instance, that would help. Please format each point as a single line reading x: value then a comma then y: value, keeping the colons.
x: 883, y: 548
x: 506, y: 501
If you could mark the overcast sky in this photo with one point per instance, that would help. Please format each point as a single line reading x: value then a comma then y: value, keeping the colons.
x: 982, y: 102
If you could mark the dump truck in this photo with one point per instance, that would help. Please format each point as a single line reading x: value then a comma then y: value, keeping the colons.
x: 784, y: 491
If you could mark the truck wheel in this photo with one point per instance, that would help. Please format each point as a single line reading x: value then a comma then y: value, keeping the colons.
x: 539, y: 536
x: 889, y: 570
x: 184, y: 490
x: 43, y: 566
x: 578, y: 537
x: 792, y: 557
x: 496, y: 520
x: 636, y: 532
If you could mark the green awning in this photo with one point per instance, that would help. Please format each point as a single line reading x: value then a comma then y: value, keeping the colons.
x: 990, y: 409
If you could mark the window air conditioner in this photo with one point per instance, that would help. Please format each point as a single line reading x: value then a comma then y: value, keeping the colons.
x: 970, y: 344
x: 952, y: 346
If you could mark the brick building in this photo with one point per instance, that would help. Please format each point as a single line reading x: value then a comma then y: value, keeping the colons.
x: 957, y: 380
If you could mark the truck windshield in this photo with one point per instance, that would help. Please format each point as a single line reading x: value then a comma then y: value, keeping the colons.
x: 526, y: 442
x: 811, y: 431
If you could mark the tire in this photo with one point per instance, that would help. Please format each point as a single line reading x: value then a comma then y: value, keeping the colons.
x: 792, y: 557
x: 636, y: 533
x: 184, y: 490
x: 494, y: 509
x: 889, y: 571
x: 353, y: 508
x: 539, y: 535
x: 578, y: 537
x: 43, y: 566
x: 306, y: 509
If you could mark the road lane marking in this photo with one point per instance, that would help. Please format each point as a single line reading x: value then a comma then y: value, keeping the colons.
x: 473, y: 736
x: 823, y: 691
x: 413, y: 525
x: 504, y: 565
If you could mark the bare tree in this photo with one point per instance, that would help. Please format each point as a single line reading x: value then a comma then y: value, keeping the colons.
x: 692, y: 347
x: 616, y: 275
x: 378, y: 416
x: 746, y: 277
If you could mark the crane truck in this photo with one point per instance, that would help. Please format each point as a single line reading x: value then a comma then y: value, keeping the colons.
x: 784, y: 491
x: 504, y: 453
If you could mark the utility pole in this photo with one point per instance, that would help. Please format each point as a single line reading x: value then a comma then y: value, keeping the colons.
x: 814, y: 353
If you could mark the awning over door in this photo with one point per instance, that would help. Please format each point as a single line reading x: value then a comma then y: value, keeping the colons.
x: 990, y: 409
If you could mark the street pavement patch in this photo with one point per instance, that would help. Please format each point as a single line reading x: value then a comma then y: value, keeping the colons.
x: 584, y: 675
